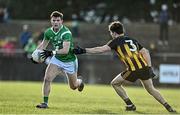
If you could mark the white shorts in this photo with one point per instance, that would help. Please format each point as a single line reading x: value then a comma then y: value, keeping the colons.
x: 68, y: 67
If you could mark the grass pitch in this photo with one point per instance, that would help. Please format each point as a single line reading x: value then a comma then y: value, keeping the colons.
x: 22, y: 97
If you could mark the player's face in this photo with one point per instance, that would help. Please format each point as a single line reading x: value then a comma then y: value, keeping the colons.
x: 56, y: 22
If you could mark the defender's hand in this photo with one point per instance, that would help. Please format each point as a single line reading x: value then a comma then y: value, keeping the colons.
x: 46, y: 53
x: 79, y: 50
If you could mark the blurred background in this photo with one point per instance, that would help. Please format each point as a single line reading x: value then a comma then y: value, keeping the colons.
x: 154, y: 23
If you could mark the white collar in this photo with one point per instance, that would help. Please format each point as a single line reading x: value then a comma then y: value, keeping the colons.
x: 57, y: 31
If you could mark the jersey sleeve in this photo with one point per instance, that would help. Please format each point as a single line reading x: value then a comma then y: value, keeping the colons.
x: 67, y: 36
x: 139, y: 45
x: 112, y: 44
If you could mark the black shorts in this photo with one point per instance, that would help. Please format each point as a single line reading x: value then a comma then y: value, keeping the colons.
x: 143, y: 74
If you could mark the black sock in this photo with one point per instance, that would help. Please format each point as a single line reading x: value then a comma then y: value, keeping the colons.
x: 166, y: 105
x: 128, y: 101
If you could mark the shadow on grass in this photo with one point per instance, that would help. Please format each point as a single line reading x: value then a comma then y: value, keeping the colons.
x: 139, y: 112
x: 102, y: 111
x: 98, y: 111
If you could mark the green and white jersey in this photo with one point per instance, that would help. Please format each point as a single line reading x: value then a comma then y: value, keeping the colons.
x: 57, y: 39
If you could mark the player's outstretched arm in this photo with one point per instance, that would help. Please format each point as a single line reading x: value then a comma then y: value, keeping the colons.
x: 99, y: 49
x: 79, y: 50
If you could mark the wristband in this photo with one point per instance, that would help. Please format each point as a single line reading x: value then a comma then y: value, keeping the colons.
x: 54, y: 52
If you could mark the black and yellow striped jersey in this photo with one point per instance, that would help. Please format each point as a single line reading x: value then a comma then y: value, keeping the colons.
x: 128, y: 51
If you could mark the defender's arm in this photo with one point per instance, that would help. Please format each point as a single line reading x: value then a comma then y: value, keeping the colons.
x: 99, y: 49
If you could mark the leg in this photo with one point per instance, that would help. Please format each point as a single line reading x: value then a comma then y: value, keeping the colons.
x: 117, y: 85
x: 75, y: 83
x: 51, y: 72
x: 148, y: 85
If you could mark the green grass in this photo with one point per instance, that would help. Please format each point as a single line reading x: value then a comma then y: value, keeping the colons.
x: 22, y: 97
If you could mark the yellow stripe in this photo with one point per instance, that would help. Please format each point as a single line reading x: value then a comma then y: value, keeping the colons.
x: 125, y: 62
x: 122, y: 59
x: 137, y: 61
x: 128, y: 58
x: 126, y: 74
x: 120, y: 52
x: 145, y: 63
x: 130, y: 63
x: 128, y: 50
x: 121, y: 55
x: 142, y: 59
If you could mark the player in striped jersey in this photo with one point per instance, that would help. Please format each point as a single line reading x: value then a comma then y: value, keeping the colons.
x: 137, y: 60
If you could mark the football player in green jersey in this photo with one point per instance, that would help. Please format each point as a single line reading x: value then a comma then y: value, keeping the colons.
x: 137, y: 61
x: 63, y: 60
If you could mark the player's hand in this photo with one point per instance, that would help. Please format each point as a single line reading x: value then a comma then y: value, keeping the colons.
x: 79, y: 50
x: 46, y: 53
x: 33, y: 61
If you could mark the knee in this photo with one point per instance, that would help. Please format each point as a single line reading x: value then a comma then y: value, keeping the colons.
x: 47, y: 79
x: 114, y: 83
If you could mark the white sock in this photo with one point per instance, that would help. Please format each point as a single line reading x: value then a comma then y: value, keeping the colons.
x: 129, y: 105
x: 79, y: 82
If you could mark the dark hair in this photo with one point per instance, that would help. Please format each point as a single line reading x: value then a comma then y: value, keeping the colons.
x: 56, y: 14
x: 117, y: 27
